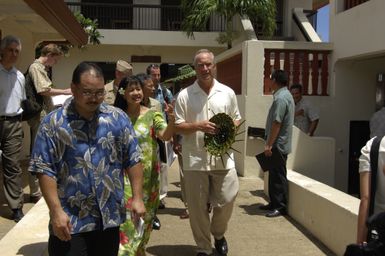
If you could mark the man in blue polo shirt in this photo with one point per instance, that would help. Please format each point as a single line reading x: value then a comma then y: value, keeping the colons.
x: 278, y: 134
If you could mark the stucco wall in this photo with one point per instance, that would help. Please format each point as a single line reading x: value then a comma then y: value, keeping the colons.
x: 110, y: 53
x: 359, y: 30
x: 288, y: 13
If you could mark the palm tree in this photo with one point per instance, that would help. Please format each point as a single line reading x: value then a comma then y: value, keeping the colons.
x: 198, y: 12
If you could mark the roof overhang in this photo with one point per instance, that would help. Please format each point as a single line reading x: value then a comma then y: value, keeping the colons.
x: 57, y: 14
x: 44, y: 19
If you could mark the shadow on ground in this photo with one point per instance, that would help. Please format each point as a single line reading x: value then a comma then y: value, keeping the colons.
x: 170, y: 211
x: 253, y: 209
x: 310, y: 236
x: 174, y: 194
x: 259, y: 193
x: 32, y: 249
x: 172, y: 250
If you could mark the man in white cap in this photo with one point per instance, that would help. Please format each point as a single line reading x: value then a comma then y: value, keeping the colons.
x: 123, y: 69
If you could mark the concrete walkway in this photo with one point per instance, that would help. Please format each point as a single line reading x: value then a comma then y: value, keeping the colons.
x: 249, y: 232
x: 6, y: 223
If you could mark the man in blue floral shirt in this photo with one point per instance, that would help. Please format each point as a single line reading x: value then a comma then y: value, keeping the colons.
x: 81, y: 154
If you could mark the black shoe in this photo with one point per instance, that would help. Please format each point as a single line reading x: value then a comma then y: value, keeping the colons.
x: 266, y: 207
x: 275, y: 213
x: 209, y: 208
x: 162, y: 205
x: 34, y: 199
x: 221, y: 246
x: 203, y: 254
x: 17, y: 214
x: 156, y: 223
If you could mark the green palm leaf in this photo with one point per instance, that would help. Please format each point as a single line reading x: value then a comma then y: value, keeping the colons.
x: 220, y: 143
x: 198, y: 12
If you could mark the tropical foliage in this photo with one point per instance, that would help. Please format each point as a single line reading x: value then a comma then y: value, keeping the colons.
x: 90, y: 27
x: 198, y: 12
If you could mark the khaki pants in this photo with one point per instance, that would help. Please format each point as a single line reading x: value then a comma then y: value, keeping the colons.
x: 33, y: 181
x: 163, y: 184
x: 219, y: 188
x: 181, y: 176
x: 10, y: 145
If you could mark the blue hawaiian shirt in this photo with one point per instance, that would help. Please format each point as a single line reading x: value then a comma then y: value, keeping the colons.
x: 87, y: 158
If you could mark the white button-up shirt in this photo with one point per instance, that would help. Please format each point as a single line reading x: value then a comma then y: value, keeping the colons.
x: 12, y: 91
x: 379, y: 202
x: 194, y: 105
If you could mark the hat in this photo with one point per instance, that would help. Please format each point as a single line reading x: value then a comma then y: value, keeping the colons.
x: 184, y: 72
x: 124, y: 67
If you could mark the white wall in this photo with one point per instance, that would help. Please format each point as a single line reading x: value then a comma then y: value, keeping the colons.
x: 289, y: 5
x: 358, y: 56
x: 313, y: 157
x: 328, y: 214
x: 158, y: 38
x: 353, y: 98
x: 359, y: 30
x: 110, y: 53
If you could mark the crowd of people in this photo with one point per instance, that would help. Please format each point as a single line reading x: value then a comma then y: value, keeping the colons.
x: 97, y: 159
x: 101, y: 159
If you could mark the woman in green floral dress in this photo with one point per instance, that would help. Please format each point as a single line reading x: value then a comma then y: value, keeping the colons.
x: 148, y: 125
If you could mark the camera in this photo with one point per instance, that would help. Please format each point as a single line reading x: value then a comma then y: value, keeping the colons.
x: 376, y: 244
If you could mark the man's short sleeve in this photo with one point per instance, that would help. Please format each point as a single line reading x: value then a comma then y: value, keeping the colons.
x: 312, y: 113
x: 40, y: 78
x: 180, y: 114
x: 43, y: 153
x: 234, y: 107
x: 279, y: 110
x: 364, y: 159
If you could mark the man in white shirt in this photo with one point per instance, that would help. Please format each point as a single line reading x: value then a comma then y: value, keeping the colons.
x: 11, y: 94
x: 214, y: 182
x: 306, y: 116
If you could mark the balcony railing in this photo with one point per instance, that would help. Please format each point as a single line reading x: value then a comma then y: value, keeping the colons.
x: 306, y: 67
x: 139, y: 16
x: 352, y: 3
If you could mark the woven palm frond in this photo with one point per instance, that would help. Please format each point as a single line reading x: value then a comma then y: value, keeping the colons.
x: 220, y: 143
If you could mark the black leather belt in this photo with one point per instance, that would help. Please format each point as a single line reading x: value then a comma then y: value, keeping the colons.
x: 10, y: 118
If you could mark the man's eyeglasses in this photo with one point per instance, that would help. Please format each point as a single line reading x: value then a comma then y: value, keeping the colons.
x: 97, y: 94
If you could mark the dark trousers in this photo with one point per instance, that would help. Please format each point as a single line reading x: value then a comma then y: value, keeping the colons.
x: 93, y: 243
x: 278, y: 186
x: 11, y: 142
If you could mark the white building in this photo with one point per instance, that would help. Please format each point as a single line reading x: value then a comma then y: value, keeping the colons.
x: 342, y: 80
